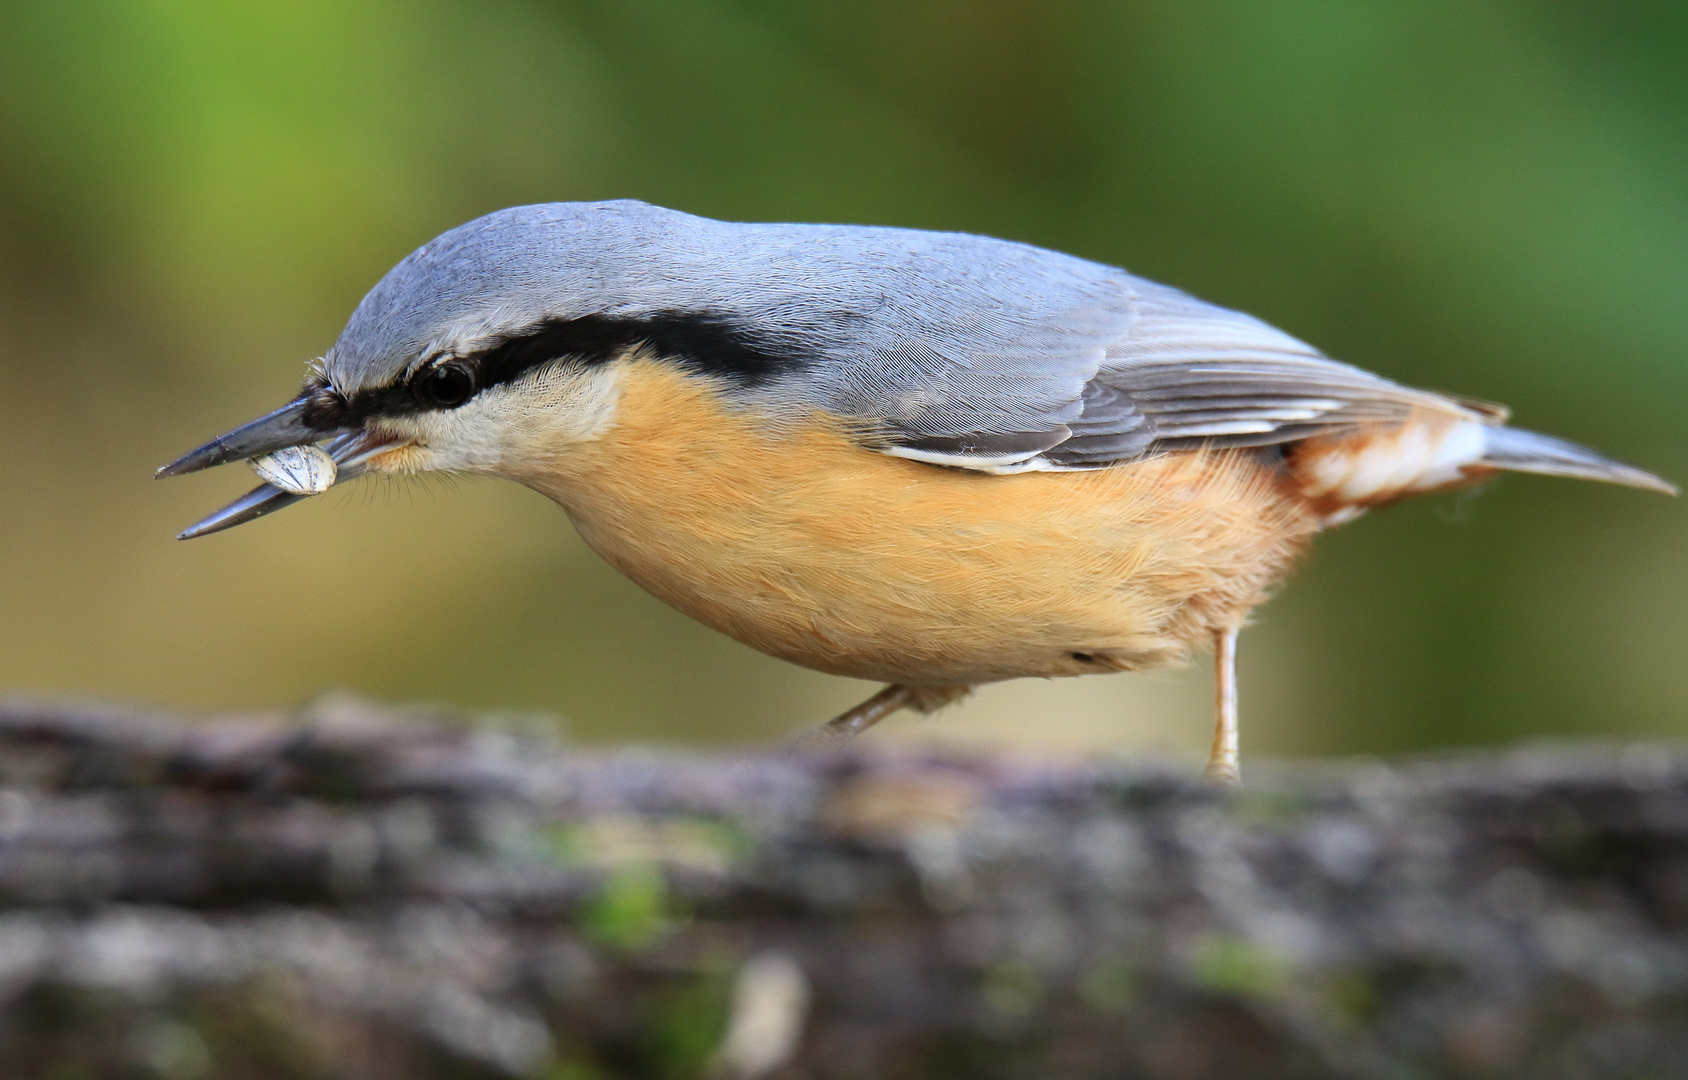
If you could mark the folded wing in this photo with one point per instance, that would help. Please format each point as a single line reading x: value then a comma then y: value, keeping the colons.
x: 1174, y: 373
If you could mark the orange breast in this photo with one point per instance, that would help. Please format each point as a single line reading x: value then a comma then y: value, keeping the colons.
x: 802, y: 544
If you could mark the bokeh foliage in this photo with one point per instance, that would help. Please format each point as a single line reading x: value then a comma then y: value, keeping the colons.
x: 1488, y: 196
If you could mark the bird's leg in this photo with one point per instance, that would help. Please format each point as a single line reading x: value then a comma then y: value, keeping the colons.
x: 852, y: 722
x: 847, y: 725
x: 1223, y: 768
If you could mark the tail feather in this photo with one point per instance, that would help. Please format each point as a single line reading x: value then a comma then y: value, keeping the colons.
x: 1533, y: 452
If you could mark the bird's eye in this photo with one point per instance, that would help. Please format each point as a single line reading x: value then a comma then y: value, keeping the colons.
x: 446, y: 386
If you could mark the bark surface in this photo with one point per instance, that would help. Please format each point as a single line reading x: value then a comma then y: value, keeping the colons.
x: 365, y: 893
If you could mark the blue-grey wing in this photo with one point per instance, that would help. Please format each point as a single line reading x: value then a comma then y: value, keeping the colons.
x: 1136, y: 369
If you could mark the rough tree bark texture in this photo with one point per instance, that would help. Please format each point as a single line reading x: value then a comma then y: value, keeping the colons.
x: 360, y: 893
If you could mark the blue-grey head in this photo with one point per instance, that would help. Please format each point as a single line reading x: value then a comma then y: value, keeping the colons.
x: 444, y: 359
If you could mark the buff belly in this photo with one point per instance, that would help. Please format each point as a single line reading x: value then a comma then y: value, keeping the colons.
x: 800, y: 543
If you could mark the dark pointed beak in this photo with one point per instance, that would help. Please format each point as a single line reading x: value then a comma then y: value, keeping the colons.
x: 284, y: 428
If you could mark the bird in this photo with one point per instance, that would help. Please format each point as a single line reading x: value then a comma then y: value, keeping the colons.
x: 930, y: 459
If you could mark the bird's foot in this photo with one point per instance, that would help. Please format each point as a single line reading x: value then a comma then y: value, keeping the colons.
x: 847, y: 725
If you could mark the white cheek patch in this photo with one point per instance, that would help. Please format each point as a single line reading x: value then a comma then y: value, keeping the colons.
x: 1414, y: 457
x: 528, y: 420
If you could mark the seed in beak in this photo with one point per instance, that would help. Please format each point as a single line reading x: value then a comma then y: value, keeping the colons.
x: 298, y: 470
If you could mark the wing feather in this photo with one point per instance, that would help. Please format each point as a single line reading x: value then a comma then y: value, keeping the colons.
x: 1195, y: 374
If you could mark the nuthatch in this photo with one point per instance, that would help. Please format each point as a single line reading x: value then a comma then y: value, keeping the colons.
x: 928, y: 459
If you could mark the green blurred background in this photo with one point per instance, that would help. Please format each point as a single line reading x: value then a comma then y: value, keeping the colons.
x: 1483, y: 196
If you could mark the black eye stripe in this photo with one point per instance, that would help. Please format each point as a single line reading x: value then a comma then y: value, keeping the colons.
x: 710, y: 343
